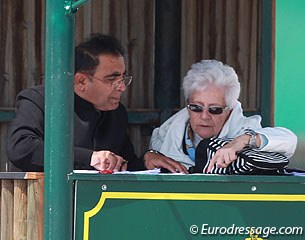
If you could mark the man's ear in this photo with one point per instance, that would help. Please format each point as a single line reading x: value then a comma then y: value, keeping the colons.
x: 80, y: 81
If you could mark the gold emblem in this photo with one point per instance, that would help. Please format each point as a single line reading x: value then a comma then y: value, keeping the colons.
x: 253, y: 237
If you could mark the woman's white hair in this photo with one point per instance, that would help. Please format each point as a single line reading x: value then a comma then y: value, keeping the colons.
x: 212, y: 72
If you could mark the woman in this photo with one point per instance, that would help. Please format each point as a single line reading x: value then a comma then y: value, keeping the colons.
x: 211, y: 91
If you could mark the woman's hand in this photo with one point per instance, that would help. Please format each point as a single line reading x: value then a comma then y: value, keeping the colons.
x: 156, y: 160
x: 227, y: 154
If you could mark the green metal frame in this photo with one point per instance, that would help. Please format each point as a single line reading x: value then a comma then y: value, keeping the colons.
x: 59, y: 65
x: 59, y: 122
x: 266, y: 96
x: 72, y: 7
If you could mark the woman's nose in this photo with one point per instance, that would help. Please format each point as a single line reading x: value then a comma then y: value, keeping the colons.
x: 205, y: 114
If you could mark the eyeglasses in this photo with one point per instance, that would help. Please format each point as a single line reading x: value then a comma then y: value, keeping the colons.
x: 215, y: 110
x: 116, y: 81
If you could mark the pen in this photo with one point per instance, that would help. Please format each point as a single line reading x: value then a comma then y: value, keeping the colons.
x: 106, y: 171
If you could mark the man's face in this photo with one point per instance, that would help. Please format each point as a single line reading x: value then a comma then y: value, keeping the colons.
x: 104, y: 88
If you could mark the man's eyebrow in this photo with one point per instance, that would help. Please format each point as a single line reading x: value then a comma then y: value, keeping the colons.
x: 114, y: 74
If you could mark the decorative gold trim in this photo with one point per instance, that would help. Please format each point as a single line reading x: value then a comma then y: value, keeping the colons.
x: 185, y: 196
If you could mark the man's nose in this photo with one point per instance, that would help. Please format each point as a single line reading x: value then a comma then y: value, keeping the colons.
x: 121, y: 86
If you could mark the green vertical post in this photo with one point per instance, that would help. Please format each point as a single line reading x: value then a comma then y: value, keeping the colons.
x: 265, y: 105
x: 59, y: 127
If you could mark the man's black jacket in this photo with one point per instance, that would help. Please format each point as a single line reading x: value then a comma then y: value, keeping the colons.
x: 94, y: 130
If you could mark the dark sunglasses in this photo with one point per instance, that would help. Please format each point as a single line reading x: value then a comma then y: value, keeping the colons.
x: 212, y: 109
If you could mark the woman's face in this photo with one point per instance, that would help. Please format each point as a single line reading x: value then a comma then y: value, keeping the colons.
x: 205, y: 123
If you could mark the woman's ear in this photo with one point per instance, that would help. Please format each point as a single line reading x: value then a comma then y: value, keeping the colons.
x: 80, y: 81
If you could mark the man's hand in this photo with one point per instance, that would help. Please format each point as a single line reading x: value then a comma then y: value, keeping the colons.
x: 227, y: 154
x: 106, y: 160
x: 155, y: 160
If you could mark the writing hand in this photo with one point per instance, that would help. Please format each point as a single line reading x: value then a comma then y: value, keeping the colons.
x: 106, y: 160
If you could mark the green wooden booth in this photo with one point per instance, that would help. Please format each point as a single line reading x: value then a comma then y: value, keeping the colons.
x: 172, y: 206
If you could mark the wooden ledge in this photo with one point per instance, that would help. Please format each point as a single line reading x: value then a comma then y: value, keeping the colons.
x: 21, y: 175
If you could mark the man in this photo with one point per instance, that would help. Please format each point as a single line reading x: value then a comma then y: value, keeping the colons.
x: 100, y: 120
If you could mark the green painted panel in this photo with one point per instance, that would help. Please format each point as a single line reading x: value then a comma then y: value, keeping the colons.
x: 289, y: 65
x: 173, y: 207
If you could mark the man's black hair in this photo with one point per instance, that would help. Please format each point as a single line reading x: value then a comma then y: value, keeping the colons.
x: 87, y: 53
